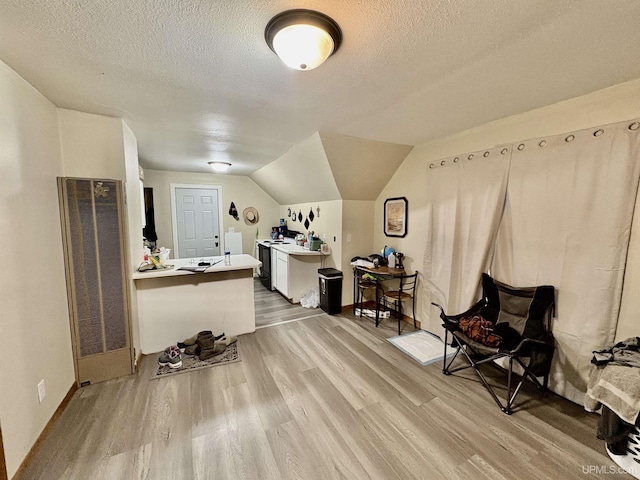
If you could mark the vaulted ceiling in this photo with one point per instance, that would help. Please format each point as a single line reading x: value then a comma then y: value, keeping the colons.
x: 195, y: 80
x: 331, y: 167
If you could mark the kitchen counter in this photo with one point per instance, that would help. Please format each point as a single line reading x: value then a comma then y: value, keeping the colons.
x: 177, y: 304
x: 238, y: 262
x: 292, y: 249
x: 292, y: 269
x: 287, y: 245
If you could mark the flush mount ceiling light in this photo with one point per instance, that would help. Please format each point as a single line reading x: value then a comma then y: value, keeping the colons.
x: 303, y: 39
x: 219, y: 166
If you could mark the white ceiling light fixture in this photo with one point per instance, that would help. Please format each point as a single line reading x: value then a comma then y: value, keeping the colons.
x: 303, y: 39
x: 219, y: 166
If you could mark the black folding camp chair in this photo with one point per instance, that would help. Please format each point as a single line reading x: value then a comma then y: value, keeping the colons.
x: 520, y: 328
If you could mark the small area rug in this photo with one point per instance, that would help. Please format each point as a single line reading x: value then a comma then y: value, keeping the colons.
x: 191, y: 363
x: 422, y: 346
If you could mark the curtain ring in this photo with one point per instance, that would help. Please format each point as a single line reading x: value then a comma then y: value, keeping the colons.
x: 486, y: 154
x: 570, y: 138
x: 597, y: 133
x: 521, y: 147
x: 431, y: 165
x: 543, y: 143
x: 634, y: 126
x: 455, y: 160
x: 443, y: 163
x: 504, y: 151
x: 470, y: 157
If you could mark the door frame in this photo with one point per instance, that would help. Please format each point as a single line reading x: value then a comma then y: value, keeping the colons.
x: 3, y: 464
x: 174, y: 214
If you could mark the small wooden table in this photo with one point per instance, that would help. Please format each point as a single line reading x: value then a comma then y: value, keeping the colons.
x: 381, y: 274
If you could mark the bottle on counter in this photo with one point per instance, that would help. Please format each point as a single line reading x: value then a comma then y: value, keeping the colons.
x: 227, y: 257
x: 391, y: 259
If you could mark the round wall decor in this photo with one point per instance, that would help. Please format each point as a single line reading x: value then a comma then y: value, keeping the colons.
x: 250, y: 215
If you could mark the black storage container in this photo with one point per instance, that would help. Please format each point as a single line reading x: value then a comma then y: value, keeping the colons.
x: 330, y: 290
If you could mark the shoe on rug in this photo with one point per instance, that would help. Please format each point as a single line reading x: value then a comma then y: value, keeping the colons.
x: 170, y: 358
x: 193, y: 340
x: 217, y: 349
x: 206, y: 334
x: 189, y: 342
x: 192, y: 349
x: 226, y: 341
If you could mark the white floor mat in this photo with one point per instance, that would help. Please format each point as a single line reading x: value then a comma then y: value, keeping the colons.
x: 422, y: 346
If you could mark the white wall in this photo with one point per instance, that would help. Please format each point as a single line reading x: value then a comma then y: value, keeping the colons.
x: 240, y: 190
x: 328, y: 223
x: 92, y: 145
x: 610, y: 105
x: 357, y: 227
x: 96, y: 146
x: 133, y: 189
x: 34, y: 320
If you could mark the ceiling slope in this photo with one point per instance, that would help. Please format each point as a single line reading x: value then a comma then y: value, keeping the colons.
x: 361, y: 168
x: 331, y: 167
x: 300, y: 175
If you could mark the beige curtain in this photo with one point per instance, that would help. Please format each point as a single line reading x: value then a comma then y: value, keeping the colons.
x: 567, y: 221
x: 465, y: 201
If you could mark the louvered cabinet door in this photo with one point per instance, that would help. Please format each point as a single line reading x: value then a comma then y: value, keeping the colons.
x: 92, y: 213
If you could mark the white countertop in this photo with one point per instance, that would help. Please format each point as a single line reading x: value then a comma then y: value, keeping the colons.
x: 288, y: 246
x: 292, y: 249
x: 238, y: 262
x: 267, y: 242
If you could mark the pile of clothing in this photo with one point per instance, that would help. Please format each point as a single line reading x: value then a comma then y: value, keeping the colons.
x: 614, y: 385
x: 204, y: 345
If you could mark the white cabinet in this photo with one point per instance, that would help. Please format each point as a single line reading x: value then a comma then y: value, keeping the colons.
x: 282, y: 273
x: 295, y: 275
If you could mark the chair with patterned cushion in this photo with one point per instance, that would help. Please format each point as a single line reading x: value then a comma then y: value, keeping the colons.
x: 509, y: 323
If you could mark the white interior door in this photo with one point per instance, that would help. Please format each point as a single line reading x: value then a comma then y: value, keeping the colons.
x: 196, y: 221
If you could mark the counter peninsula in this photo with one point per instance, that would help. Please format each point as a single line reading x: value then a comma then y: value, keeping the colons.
x: 176, y: 304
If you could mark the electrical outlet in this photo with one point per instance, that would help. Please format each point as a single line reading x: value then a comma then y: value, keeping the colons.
x: 41, y: 391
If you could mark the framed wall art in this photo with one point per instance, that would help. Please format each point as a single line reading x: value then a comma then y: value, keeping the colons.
x: 395, y: 216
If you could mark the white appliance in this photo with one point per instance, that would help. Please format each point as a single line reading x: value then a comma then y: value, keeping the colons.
x: 233, y: 242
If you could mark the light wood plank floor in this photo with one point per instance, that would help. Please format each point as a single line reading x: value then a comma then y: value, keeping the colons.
x: 272, y: 308
x: 322, y: 398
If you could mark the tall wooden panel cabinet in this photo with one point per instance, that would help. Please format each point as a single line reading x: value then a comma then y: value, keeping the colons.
x: 93, y: 229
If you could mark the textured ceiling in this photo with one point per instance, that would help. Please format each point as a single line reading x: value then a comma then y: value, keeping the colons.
x: 195, y: 80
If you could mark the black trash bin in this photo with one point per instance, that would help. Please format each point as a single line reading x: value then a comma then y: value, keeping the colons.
x: 330, y: 290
